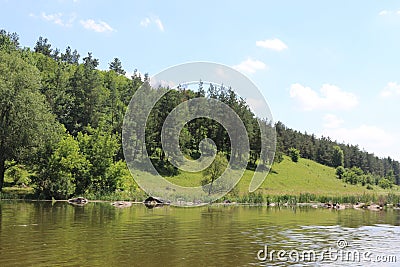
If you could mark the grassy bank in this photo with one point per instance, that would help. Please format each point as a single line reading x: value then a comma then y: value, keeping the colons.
x: 288, y: 182
x: 290, y: 178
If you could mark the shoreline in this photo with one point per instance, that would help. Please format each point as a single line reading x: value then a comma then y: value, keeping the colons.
x: 314, y: 205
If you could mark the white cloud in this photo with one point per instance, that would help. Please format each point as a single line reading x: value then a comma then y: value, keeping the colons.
x: 384, y: 13
x: 390, y: 90
x: 332, y: 121
x: 250, y: 66
x: 159, y: 24
x: 389, y: 12
x: 273, y: 44
x: 330, y: 97
x: 57, y: 18
x: 150, y: 20
x: 145, y: 22
x: 99, y: 26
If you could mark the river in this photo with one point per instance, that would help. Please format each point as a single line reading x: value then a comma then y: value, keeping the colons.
x: 98, y: 234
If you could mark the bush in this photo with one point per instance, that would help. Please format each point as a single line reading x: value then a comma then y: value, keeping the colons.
x: 18, y: 175
x: 385, y: 183
x: 294, y: 154
x: 340, y: 171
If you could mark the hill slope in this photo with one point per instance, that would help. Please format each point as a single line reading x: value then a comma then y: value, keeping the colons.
x: 287, y: 177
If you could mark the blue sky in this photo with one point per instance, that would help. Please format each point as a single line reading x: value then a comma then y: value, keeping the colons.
x: 326, y: 67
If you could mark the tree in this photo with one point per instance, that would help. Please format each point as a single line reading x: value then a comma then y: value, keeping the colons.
x: 337, y: 157
x: 385, y: 183
x: 294, y: 154
x: 42, y: 46
x: 8, y: 41
x: 57, y: 176
x: 214, y: 171
x: 116, y: 66
x: 99, y: 147
x: 71, y: 58
x: 340, y: 171
x: 87, y: 96
x: 25, y: 120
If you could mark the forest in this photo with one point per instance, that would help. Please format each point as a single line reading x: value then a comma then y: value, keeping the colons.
x: 61, y: 124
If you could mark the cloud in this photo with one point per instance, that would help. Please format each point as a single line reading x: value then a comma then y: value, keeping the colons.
x: 389, y: 12
x: 330, y: 97
x: 159, y: 24
x: 250, y: 66
x: 384, y: 13
x: 145, y: 22
x: 57, y: 18
x: 152, y: 20
x: 99, y: 26
x: 332, y: 121
x: 273, y: 44
x: 390, y: 90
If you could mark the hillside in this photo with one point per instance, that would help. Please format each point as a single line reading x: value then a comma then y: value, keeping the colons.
x: 289, y: 178
x: 61, y: 133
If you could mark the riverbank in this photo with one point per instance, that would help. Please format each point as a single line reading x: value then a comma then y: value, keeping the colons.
x: 363, y: 201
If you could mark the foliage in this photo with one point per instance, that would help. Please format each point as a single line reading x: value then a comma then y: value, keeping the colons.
x: 58, y: 176
x: 385, y: 183
x: 294, y: 154
x: 337, y: 157
x: 340, y: 171
x: 99, y: 147
x: 43, y: 92
x: 18, y: 175
x: 214, y: 171
x: 25, y: 119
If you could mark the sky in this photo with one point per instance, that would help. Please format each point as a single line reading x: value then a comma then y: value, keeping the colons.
x: 331, y: 68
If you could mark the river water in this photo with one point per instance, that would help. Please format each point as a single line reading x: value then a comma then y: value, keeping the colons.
x: 98, y: 234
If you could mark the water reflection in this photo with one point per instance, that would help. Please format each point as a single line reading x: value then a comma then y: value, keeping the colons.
x: 98, y: 234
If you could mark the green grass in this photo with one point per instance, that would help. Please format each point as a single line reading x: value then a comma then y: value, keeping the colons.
x: 290, y: 178
x: 303, y: 181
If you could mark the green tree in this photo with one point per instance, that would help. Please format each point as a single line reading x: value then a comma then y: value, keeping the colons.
x: 337, y: 157
x: 385, y: 183
x: 8, y: 41
x: 340, y: 171
x: 25, y: 120
x: 42, y: 46
x: 294, y: 154
x: 88, y: 96
x: 214, y: 171
x: 116, y: 66
x: 99, y: 147
x: 57, y: 176
x: 350, y: 177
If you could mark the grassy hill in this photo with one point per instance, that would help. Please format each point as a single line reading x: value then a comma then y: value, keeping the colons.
x: 290, y: 178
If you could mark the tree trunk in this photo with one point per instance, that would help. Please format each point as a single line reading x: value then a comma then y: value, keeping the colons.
x: 2, y: 170
x: 210, y: 188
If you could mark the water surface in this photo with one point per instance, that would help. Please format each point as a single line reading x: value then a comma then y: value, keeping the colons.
x: 98, y: 234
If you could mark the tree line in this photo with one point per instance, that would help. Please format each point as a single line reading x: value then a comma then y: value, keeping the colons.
x: 358, y: 162
x: 61, y: 118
